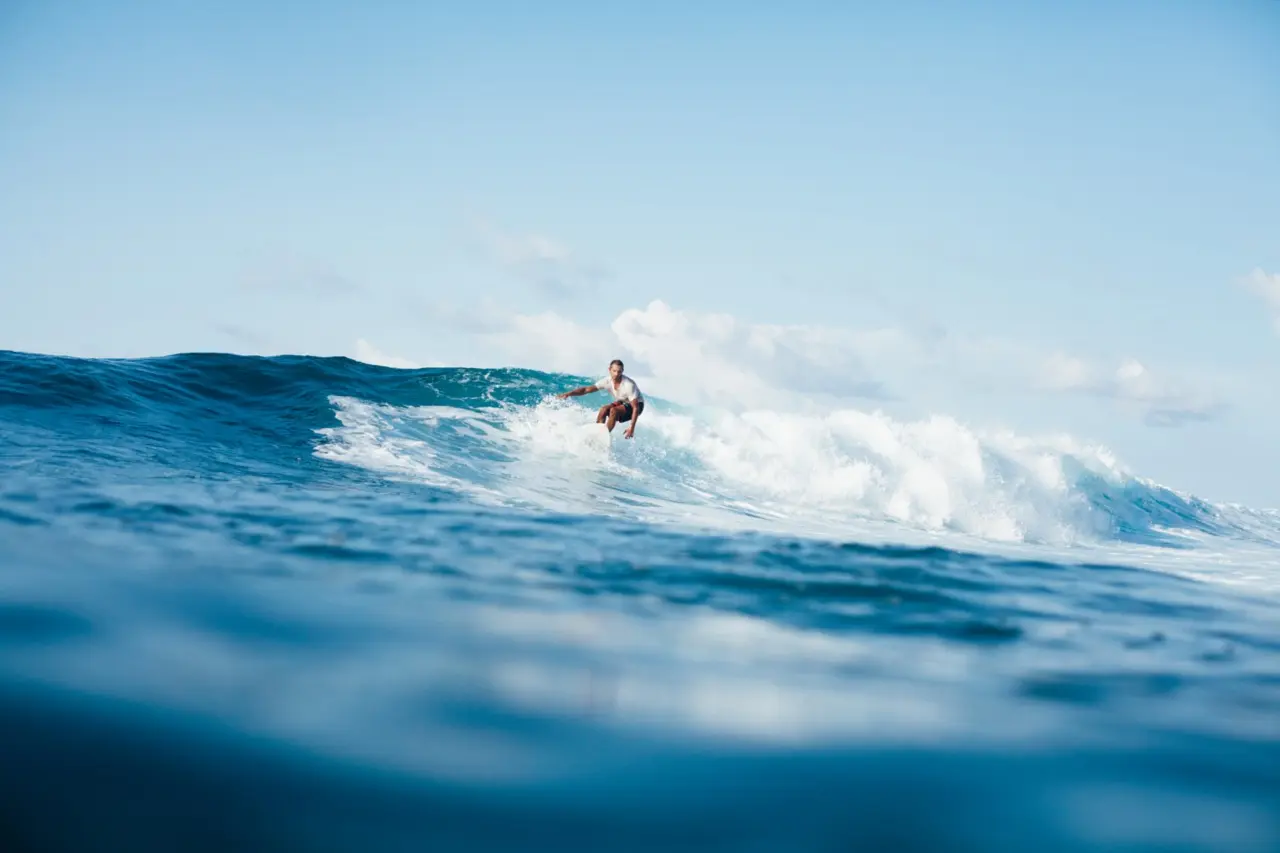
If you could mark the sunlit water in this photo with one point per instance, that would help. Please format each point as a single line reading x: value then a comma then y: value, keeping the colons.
x: 310, y: 604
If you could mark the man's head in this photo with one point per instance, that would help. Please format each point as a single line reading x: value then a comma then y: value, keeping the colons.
x: 615, y: 368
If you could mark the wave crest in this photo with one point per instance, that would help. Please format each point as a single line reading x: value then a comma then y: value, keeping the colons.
x: 848, y: 473
x: 498, y: 436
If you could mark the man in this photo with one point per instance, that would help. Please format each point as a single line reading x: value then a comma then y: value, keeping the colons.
x: 627, y: 403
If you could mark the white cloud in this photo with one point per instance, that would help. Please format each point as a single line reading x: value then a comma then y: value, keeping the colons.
x: 718, y: 359
x: 1267, y: 287
x: 541, y: 260
x: 1061, y: 372
x: 1162, y: 400
x: 369, y: 354
x: 702, y: 358
x: 548, y: 341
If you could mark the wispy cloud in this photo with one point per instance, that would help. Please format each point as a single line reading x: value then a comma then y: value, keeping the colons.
x: 541, y: 260
x: 1266, y: 286
x: 369, y: 354
x: 298, y: 276
x: 241, y: 335
x: 487, y: 317
x: 1163, y: 400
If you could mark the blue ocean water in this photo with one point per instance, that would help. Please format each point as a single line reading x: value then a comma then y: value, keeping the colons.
x: 297, y: 603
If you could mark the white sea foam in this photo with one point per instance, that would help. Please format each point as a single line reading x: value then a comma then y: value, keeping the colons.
x: 933, y: 475
x: 845, y: 473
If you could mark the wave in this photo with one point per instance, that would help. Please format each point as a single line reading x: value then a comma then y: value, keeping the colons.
x: 498, y: 436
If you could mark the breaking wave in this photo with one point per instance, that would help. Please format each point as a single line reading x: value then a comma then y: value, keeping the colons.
x: 500, y: 436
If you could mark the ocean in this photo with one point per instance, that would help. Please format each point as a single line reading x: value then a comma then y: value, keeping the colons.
x: 311, y: 604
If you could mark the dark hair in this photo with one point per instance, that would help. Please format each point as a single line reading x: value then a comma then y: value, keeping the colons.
x: 618, y: 362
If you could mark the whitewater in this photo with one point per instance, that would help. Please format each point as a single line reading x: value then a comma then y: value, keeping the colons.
x: 504, y: 440
x: 302, y: 603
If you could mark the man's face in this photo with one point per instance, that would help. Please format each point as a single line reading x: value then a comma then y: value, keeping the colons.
x: 615, y: 370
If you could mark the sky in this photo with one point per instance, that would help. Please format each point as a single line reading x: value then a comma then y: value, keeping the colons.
x: 1053, y: 218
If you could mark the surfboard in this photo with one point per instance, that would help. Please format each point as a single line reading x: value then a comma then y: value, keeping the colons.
x: 596, y: 436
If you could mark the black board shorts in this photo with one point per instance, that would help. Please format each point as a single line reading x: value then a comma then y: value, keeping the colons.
x: 626, y: 412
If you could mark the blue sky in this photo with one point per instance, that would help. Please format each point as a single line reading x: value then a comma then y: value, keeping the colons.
x: 1026, y: 199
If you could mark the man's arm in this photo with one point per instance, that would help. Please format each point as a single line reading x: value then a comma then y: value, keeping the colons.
x: 636, y: 408
x: 578, y: 392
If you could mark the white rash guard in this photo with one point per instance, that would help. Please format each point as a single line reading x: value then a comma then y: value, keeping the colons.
x: 625, y: 390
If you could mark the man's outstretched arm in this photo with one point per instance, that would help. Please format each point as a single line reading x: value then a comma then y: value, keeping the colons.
x: 578, y: 392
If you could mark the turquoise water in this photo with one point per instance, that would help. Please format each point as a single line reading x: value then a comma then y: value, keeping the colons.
x: 310, y: 604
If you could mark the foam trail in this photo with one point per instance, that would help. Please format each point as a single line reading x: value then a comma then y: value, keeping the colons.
x: 846, y: 473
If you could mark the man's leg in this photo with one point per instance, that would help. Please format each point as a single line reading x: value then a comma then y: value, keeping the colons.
x: 620, y: 414
x: 604, y: 412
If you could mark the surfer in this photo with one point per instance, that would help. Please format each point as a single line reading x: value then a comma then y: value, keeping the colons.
x: 627, y: 403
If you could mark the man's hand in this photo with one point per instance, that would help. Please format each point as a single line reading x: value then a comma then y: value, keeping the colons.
x: 637, y: 407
